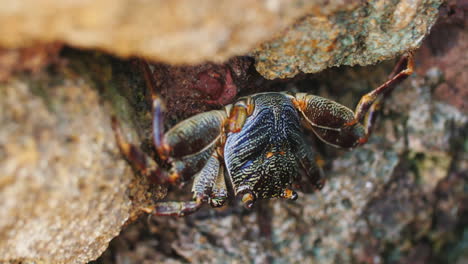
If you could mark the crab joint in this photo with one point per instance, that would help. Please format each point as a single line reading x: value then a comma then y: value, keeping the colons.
x: 248, y: 199
x: 363, y: 140
x: 319, y: 161
x: 163, y: 151
x: 237, y: 118
x: 173, y: 177
x: 350, y: 123
x: 289, y: 194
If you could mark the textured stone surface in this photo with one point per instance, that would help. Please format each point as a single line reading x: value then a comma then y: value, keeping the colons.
x: 400, y: 198
x: 178, y: 31
x: 65, y: 192
x: 31, y: 59
x: 363, y: 35
x: 320, y: 33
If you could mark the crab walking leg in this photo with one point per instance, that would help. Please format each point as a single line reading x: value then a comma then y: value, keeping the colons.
x: 159, y: 142
x: 158, y: 112
x: 149, y: 79
x: 364, y: 105
x: 338, y: 125
x: 177, y: 208
x: 190, y: 143
x: 401, y: 71
x: 328, y: 120
x: 210, y: 184
x: 312, y: 165
x: 202, y: 188
x: 219, y: 193
x: 137, y: 158
x: 204, y: 181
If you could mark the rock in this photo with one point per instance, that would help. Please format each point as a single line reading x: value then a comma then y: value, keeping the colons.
x: 30, y: 59
x: 178, y: 31
x: 309, y: 36
x: 362, y: 34
x: 65, y: 192
x: 204, y: 87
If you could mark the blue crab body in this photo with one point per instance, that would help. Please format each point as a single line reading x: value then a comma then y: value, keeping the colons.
x: 261, y: 156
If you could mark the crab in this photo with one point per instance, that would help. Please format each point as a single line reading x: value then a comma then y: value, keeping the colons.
x: 253, y: 148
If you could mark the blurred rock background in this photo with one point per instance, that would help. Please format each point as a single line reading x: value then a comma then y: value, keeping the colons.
x: 65, y: 191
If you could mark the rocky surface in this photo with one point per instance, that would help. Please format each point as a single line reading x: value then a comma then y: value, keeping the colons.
x: 29, y: 59
x: 363, y: 35
x: 64, y: 189
x: 178, y: 31
x: 308, y: 36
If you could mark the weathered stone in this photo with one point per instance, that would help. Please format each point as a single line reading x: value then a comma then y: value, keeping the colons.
x: 65, y: 192
x: 64, y: 185
x: 365, y: 34
x: 177, y: 31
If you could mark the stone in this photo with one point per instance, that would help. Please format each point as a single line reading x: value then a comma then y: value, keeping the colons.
x: 178, y: 31
x: 65, y: 192
x: 359, y: 35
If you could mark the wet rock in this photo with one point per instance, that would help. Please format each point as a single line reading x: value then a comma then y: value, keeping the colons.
x: 445, y: 52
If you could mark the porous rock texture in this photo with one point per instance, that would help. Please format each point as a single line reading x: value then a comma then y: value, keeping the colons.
x: 362, y: 34
x: 64, y: 189
x: 307, y: 36
x: 178, y: 31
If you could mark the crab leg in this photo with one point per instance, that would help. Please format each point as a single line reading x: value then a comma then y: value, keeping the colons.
x: 177, y: 208
x: 289, y: 194
x: 219, y: 192
x: 364, y: 107
x: 210, y: 184
x: 202, y: 188
x: 158, y: 111
x: 336, y: 124
x: 137, y: 158
x: 312, y: 165
x: 188, y: 145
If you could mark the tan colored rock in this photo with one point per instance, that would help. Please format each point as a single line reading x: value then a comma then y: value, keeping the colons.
x: 321, y: 33
x: 177, y: 31
x: 64, y: 189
